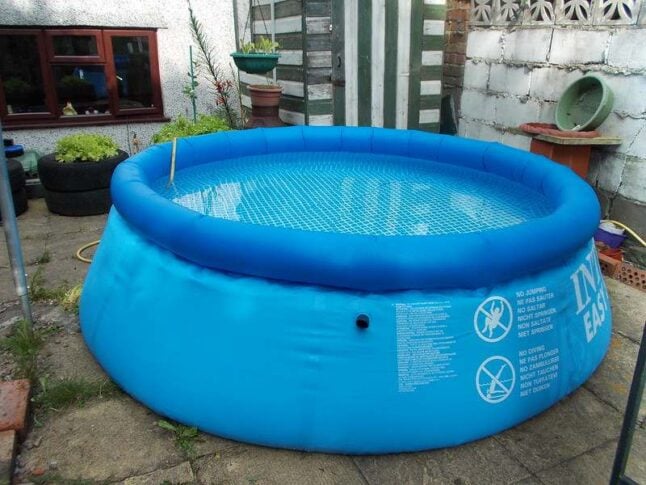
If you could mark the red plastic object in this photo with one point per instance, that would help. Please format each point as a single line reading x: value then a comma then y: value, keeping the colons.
x: 577, y: 157
x: 550, y: 129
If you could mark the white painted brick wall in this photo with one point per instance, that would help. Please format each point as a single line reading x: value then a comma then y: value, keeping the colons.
x: 629, y: 91
x: 632, y: 131
x: 610, y: 172
x: 477, y: 105
x: 547, y: 112
x: 482, y: 131
x: 485, y: 44
x: 633, y: 181
x: 526, y: 45
x: 549, y: 83
x: 476, y: 74
x: 576, y: 46
x: 536, y: 65
x: 509, y: 79
x: 628, y: 49
x: 517, y: 141
x: 513, y: 112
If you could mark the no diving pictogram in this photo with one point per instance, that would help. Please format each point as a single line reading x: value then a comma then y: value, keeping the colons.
x: 495, y: 379
x: 493, y: 319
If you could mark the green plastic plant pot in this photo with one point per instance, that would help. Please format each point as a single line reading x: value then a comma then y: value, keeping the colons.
x: 584, y: 105
x: 256, y: 63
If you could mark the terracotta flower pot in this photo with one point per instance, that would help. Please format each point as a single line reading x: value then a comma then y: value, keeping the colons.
x: 265, y: 99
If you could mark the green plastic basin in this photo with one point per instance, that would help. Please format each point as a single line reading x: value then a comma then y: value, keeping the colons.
x: 256, y: 63
x: 585, y: 104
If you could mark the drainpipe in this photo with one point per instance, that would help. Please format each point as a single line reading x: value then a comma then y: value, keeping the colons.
x: 10, y: 227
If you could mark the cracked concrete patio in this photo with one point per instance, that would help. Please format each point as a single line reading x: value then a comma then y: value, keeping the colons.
x: 116, y: 440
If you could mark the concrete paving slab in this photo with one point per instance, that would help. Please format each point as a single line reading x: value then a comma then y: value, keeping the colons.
x: 628, y: 309
x: 577, y: 424
x: 246, y: 464
x: 105, y: 440
x: 611, y: 382
x: 594, y: 466
x: 177, y: 475
x: 7, y: 452
x: 65, y: 356
x: 484, y: 461
x: 531, y: 480
x: 208, y: 444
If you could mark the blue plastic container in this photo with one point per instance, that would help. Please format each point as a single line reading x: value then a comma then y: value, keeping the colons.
x: 349, y: 290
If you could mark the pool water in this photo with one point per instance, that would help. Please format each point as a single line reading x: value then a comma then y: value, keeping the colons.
x: 354, y: 193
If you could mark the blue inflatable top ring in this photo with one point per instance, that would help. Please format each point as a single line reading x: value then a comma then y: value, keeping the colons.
x: 364, y: 261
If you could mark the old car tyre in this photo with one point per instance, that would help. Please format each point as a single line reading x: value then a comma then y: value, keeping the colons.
x: 19, y: 201
x: 78, y: 176
x: 84, y: 203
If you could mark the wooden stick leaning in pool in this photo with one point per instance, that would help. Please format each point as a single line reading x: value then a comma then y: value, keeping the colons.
x: 171, y: 176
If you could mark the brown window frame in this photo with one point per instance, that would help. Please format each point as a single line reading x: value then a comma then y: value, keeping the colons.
x: 48, y: 59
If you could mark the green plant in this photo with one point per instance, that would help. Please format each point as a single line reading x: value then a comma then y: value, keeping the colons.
x: 23, y: 344
x: 261, y: 46
x: 185, y: 436
x: 222, y: 87
x: 73, y: 82
x: 43, y: 258
x: 64, y: 393
x: 39, y: 292
x: 183, y: 127
x: 70, y: 300
x: 16, y: 87
x: 190, y: 89
x: 85, y: 147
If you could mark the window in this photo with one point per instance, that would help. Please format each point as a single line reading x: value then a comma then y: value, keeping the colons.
x: 52, y: 77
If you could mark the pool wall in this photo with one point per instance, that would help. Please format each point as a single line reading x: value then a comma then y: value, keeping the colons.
x: 474, y: 260
x: 286, y: 365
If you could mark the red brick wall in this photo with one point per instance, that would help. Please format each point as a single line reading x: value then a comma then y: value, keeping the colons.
x: 455, y: 47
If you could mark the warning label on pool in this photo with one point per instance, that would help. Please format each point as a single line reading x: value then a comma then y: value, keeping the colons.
x: 539, y: 368
x: 538, y: 364
x: 534, y: 311
x: 424, y: 345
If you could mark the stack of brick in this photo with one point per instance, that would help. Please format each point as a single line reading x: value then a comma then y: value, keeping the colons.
x: 14, y: 403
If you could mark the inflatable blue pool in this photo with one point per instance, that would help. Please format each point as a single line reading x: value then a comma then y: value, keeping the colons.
x: 351, y: 290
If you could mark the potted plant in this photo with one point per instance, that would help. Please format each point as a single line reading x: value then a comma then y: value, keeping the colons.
x: 260, y: 57
x: 76, y: 177
x: 183, y: 127
x: 257, y: 57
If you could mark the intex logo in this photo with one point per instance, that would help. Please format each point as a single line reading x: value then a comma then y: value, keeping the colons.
x: 590, y: 295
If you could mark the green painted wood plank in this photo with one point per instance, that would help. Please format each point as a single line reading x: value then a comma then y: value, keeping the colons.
x: 306, y: 80
x: 434, y: 12
x: 432, y: 101
x: 416, y: 34
x: 320, y: 107
x: 292, y: 103
x: 432, y: 42
x: 318, y: 75
x: 318, y: 42
x: 318, y: 8
x: 431, y: 73
x: 336, y: 46
x: 288, y: 8
x: 290, y: 73
x: 364, y: 36
x: 390, y: 65
x: 293, y: 41
x: 433, y: 127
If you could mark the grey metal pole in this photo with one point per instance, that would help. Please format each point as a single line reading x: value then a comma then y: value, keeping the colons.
x: 12, y: 237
